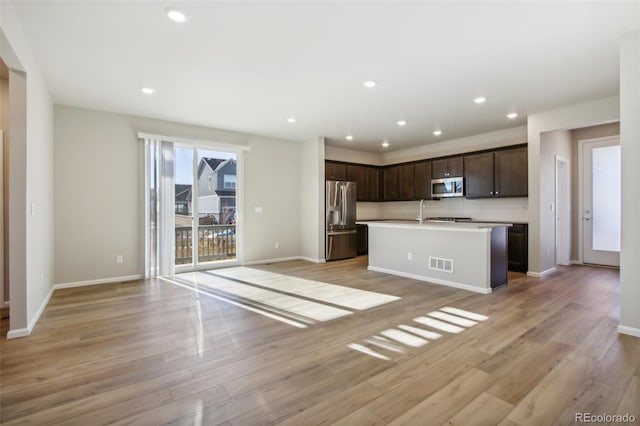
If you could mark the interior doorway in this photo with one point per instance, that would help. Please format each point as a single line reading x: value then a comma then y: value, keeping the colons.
x: 563, y: 211
x: 600, y: 201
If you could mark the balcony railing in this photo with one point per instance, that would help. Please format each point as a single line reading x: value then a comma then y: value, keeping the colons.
x: 215, y: 242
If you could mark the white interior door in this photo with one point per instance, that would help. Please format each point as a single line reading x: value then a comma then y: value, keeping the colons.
x: 601, y: 215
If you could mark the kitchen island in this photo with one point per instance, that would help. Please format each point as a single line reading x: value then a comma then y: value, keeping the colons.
x: 465, y: 255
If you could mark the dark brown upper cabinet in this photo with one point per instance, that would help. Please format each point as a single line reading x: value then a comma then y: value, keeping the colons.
x: 405, y: 182
x: 478, y: 175
x: 335, y: 171
x: 375, y: 183
x: 422, y: 180
x: 512, y: 172
x: 447, y: 167
x: 390, y: 185
x: 359, y: 175
x: 501, y: 173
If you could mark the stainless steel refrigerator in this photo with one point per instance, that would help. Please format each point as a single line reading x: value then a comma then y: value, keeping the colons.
x: 341, y: 238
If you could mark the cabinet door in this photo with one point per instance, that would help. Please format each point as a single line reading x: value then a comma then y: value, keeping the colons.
x: 479, y: 175
x: 455, y: 166
x: 335, y: 171
x: 374, y: 175
x: 511, y: 172
x: 439, y: 168
x: 518, y: 248
x: 390, y: 186
x: 405, y: 182
x: 358, y: 174
x: 422, y: 180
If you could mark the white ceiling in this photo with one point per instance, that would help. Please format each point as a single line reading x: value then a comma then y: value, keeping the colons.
x: 247, y: 66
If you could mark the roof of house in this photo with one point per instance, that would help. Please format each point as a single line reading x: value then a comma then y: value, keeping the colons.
x: 213, y: 163
x: 183, y: 192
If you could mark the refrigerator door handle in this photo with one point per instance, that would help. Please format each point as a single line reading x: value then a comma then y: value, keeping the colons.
x: 341, y: 232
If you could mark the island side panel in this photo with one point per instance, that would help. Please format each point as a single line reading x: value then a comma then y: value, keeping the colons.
x: 470, y: 252
x: 499, y: 259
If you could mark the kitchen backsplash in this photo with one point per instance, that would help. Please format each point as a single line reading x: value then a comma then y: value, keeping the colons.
x: 497, y: 209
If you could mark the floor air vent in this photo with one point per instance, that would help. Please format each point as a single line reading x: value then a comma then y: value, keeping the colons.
x: 441, y: 264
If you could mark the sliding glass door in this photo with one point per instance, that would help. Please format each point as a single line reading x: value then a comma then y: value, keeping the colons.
x: 192, y: 205
x: 206, y: 210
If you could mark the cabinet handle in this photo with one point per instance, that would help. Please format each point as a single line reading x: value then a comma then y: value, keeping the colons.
x: 497, y: 192
x: 491, y: 193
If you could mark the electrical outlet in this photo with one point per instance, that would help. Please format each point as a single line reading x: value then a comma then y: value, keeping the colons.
x: 119, y: 259
x: 548, y: 252
x: 276, y: 245
x: 409, y: 256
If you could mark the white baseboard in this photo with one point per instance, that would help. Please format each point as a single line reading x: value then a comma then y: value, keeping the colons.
x: 283, y: 259
x: 631, y: 331
x: 311, y: 259
x: 20, y: 332
x: 541, y: 274
x: 23, y: 332
x: 431, y: 280
x: 99, y: 281
x: 575, y: 262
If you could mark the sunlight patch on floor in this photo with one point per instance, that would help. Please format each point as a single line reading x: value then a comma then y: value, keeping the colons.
x: 347, y: 297
x: 368, y: 351
x: 449, y: 320
x: 238, y: 304
x: 313, y: 310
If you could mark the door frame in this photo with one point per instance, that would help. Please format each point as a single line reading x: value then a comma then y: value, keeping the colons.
x: 581, y: 144
x: 563, y: 245
x: 197, y: 266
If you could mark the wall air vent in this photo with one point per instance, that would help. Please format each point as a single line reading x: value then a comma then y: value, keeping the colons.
x: 441, y: 264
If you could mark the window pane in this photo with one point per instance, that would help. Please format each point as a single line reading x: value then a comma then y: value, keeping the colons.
x: 606, y: 198
x: 183, y: 205
x: 216, y: 180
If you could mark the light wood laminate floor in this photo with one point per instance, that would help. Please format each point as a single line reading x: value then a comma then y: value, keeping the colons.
x: 151, y: 352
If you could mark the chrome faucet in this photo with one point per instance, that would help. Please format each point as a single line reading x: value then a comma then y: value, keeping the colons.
x: 421, y: 212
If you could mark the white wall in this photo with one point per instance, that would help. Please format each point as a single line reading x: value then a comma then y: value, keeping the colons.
x: 581, y: 115
x: 31, y: 176
x: 98, y: 192
x: 513, y: 136
x: 630, y: 145
x: 492, y: 210
x: 352, y: 156
x: 272, y: 181
x: 4, y: 126
x: 552, y: 144
x: 312, y: 199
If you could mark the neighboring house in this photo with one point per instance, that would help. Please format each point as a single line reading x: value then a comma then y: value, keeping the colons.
x: 183, y: 199
x: 217, y: 189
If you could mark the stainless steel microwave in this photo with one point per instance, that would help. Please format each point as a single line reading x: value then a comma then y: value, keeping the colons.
x: 447, y: 187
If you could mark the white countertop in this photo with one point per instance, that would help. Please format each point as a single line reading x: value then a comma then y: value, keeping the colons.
x: 435, y: 225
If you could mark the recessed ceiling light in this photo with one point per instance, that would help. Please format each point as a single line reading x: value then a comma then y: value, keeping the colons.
x: 349, y: 137
x: 147, y: 90
x: 176, y: 15
x: 480, y: 100
x: 385, y: 144
x: 512, y: 115
x: 437, y: 132
x: 402, y: 123
x: 369, y: 84
x: 291, y: 120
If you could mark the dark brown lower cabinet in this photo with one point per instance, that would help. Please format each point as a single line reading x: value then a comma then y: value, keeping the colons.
x: 362, y: 232
x: 518, y: 247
